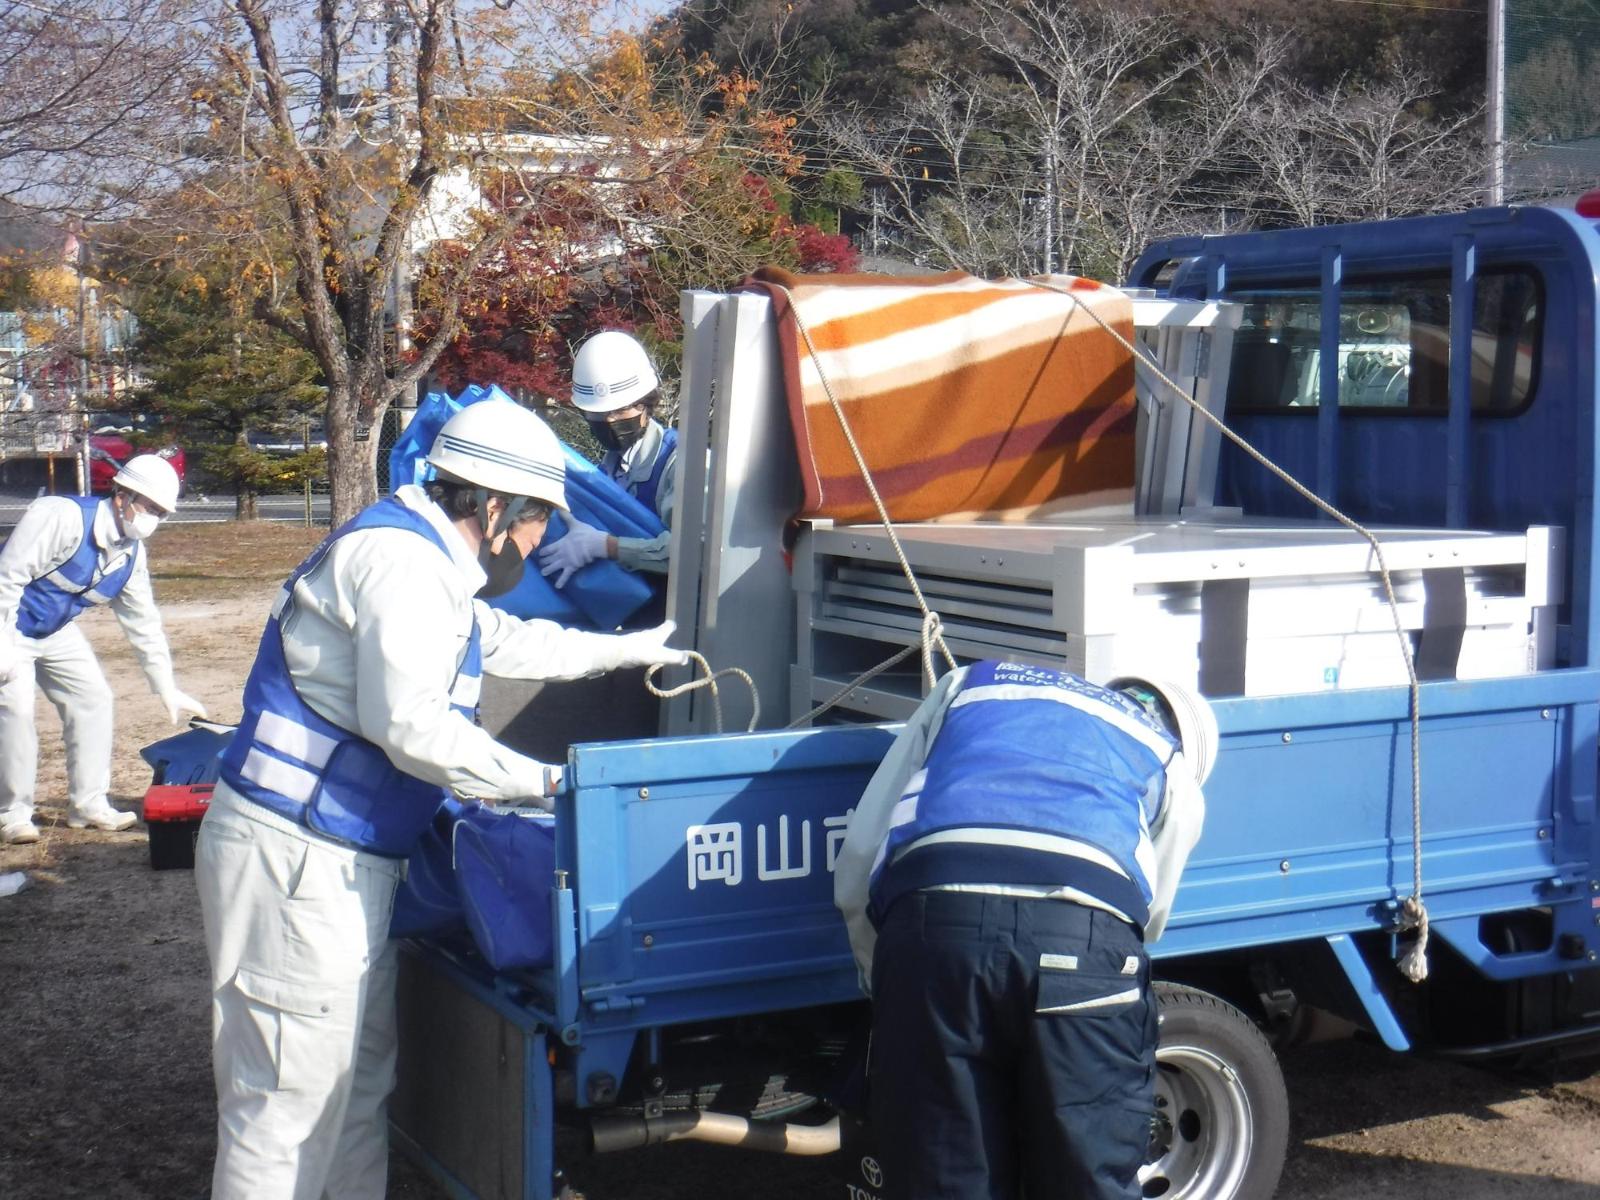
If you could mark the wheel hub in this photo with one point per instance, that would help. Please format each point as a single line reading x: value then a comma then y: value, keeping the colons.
x: 1201, y: 1133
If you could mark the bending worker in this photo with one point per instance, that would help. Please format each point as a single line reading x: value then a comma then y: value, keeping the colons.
x: 1018, y: 846
x: 358, y: 715
x: 67, y: 553
x: 616, y: 387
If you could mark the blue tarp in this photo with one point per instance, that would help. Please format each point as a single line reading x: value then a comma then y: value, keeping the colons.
x: 405, y: 459
x: 602, y: 595
x: 189, y: 757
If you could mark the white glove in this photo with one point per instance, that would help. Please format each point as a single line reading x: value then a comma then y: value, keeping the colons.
x: 548, y: 783
x: 582, y: 545
x: 554, y: 773
x: 178, y: 704
x: 647, y: 648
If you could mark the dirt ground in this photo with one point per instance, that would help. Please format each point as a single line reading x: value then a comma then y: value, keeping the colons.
x: 105, y: 1087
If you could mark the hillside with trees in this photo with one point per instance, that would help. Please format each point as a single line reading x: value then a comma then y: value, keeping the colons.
x: 433, y: 191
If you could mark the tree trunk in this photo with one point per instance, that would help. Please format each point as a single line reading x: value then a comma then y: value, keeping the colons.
x: 352, y: 456
x: 244, y: 495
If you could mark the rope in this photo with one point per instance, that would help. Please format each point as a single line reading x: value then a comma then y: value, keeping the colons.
x: 937, y: 637
x: 1413, y: 962
x: 709, y: 681
x: 930, y: 630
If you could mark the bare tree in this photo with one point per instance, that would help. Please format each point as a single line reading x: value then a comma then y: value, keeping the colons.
x: 975, y: 213
x: 343, y: 138
x: 1168, y: 167
x: 1347, y: 155
x: 1079, y: 132
x: 91, y: 93
x: 1082, y: 77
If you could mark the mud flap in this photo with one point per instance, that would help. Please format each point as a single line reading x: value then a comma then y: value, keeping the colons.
x: 857, y: 1166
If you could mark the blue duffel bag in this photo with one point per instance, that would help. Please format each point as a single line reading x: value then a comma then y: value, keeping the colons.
x: 505, y: 869
x: 428, y: 903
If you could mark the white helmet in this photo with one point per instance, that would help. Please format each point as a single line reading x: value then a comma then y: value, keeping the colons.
x: 152, y: 477
x: 611, y: 371
x: 1197, y: 724
x: 502, y: 447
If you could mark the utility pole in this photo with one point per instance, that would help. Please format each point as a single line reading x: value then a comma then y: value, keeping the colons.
x: 80, y: 450
x: 1050, y: 208
x: 1496, y: 132
x: 400, y: 278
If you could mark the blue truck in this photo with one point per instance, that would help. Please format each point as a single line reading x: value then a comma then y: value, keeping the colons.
x: 701, y: 983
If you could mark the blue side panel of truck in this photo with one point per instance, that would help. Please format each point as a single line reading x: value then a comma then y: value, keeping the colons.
x: 702, y: 867
x: 703, y: 880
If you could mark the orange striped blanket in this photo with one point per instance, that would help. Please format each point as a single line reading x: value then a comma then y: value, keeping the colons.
x: 968, y: 397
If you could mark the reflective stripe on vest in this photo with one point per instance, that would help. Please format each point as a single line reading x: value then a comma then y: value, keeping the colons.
x: 1037, y: 778
x: 51, y: 602
x: 291, y: 760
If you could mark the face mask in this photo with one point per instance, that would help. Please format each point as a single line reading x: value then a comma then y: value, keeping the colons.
x: 619, y: 435
x: 140, y: 525
x: 504, y: 569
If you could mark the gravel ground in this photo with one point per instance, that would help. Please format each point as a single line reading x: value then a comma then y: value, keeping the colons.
x: 105, y: 1087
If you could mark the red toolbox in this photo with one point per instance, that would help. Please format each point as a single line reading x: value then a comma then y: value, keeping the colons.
x: 173, y: 812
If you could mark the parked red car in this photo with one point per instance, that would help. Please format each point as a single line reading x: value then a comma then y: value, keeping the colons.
x: 109, y: 448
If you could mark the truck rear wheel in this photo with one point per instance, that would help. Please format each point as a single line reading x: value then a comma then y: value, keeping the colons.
x: 1222, y: 1114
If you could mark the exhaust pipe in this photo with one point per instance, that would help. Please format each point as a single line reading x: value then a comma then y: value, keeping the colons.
x: 611, y: 1133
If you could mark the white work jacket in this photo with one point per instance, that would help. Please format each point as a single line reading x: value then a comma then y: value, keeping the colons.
x: 49, y: 533
x: 375, y: 637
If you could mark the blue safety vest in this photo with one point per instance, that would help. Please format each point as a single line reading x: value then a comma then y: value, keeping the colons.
x: 1036, y: 778
x: 287, y: 758
x: 50, y: 602
x: 645, y: 491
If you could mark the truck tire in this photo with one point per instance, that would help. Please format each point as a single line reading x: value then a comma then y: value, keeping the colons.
x: 1222, y: 1114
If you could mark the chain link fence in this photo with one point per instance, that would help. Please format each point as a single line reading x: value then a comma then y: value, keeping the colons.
x: 44, y: 453
x: 1552, y: 108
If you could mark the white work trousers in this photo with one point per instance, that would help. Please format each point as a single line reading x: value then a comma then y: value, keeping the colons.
x: 67, y: 671
x: 302, y: 1011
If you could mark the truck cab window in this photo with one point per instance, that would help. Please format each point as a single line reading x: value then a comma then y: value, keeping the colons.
x: 1394, y: 346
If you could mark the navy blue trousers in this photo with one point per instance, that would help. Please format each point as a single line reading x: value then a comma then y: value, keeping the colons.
x: 1013, y: 1050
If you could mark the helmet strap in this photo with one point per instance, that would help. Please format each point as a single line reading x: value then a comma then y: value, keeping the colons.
x: 508, y: 515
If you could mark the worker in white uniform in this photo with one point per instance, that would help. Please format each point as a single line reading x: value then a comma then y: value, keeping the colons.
x: 615, y: 385
x: 358, y: 718
x: 66, y: 554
